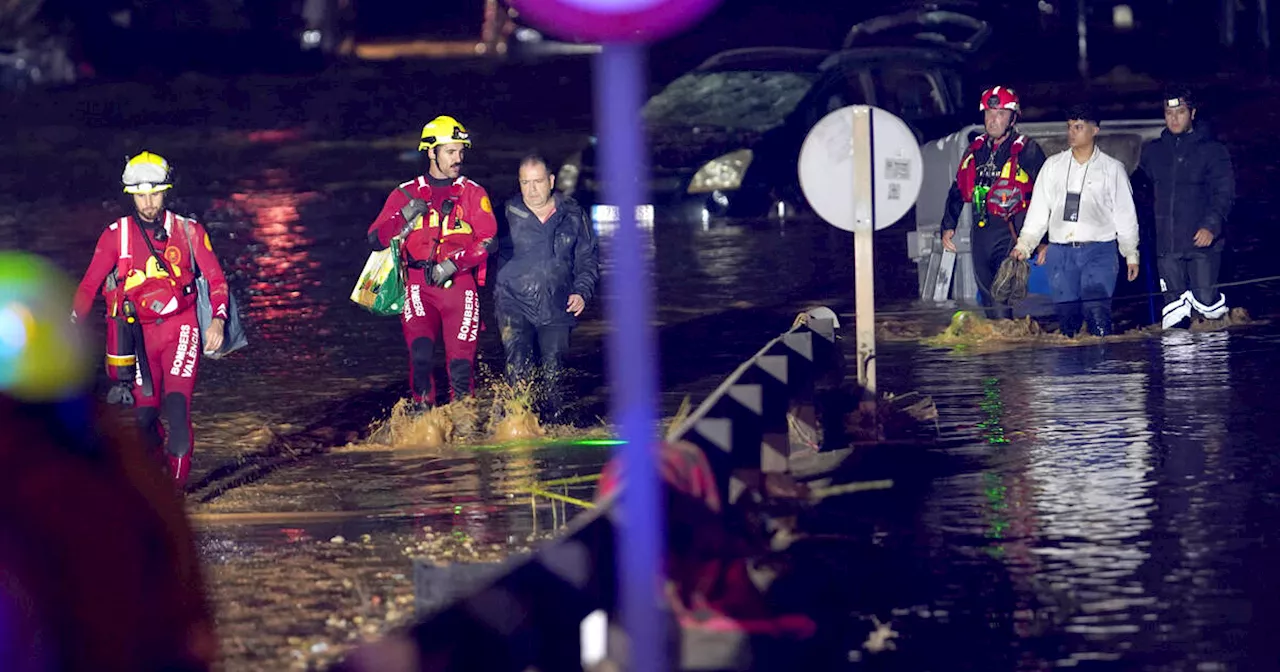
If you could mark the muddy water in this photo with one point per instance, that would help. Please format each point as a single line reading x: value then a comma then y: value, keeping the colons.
x: 1096, y: 501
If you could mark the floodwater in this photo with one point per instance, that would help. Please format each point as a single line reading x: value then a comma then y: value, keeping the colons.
x: 1107, y: 505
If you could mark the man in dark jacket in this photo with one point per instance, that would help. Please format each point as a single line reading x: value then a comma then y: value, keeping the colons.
x: 549, y: 269
x: 996, y: 177
x: 1194, y: 190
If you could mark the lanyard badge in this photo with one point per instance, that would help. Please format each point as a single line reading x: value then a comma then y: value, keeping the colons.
x: 1071, y: 208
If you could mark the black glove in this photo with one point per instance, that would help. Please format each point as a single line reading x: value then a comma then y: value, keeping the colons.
x: 415, y: 208
x: 120, y: 393
x: 442, y: 272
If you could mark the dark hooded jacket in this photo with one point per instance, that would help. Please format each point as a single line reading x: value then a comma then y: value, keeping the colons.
x: 540, y: 265
x: 1194, y: 187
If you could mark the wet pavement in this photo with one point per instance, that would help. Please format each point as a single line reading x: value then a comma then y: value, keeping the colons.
x: 1109, y: 504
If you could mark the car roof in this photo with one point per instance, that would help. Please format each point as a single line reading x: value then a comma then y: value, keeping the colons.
x: 799, y: 59
x: 903, y: 55
x: 794, y: 59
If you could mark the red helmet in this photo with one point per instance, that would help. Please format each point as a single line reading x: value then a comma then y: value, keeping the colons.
x: 999, y: 98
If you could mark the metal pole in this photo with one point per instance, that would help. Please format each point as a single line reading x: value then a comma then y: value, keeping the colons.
x: 1082, y: 37
x: 863, y: 266
x: 1228, y: 23
x: 1264, y: 27
x: 632, y: 356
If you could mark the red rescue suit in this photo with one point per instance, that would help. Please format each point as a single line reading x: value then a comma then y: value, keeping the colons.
x: 459, y: 226
x: 159, y: 294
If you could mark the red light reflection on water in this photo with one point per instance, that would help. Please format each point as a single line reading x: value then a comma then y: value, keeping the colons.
x: 285, y: 268
x: 275, y: 135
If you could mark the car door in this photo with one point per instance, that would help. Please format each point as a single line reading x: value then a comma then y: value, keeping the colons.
x: 919, y: 96
x: 839, y: 87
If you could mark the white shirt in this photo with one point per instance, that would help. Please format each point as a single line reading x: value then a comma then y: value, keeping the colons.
x: 1106, y: 204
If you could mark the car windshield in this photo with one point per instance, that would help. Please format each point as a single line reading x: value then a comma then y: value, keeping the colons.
x: 736, y: 100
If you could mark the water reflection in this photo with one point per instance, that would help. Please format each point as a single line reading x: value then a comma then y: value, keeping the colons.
x: 1122, y: 490
x: 756, y: 263
x: 1090, y: 458
x: 284, y: 267
x: 479, y: 496
x: 1200, y: 511
x: 1009, y: 498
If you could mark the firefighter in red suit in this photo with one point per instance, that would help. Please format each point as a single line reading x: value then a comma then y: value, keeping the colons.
x: 143, y: 264
x: 447, y: 226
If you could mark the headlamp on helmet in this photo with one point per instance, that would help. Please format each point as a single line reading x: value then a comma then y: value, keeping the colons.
x: 146, y: 173
x: 1000, y: 98
x: 1178, y: 95
x: 443, y: 130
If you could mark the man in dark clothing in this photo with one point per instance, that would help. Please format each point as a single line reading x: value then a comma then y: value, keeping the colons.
x: 996, y: 176
x: 1194, y: 190
x: 549, y: 268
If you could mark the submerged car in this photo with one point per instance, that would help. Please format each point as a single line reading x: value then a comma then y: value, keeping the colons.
x: 725, y: 138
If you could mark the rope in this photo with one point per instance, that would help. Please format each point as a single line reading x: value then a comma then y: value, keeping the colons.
x: 572, y: 480
x: 927, y: 312
x: 850, y: 488
x: 563, y: 498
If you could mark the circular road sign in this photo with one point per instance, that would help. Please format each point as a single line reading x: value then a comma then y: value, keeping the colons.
x: 828, y: 167
x: 614, y: 20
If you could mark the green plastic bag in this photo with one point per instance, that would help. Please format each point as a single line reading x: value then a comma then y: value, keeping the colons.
x: 380, y: 289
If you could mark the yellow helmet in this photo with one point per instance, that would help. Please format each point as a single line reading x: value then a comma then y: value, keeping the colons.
x: 443, y: 130
x: 146, y: 173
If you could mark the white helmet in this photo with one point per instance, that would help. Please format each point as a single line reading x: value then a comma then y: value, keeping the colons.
x: 146, y: 173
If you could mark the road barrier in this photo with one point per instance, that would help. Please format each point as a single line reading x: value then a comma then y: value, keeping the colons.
x: 534, y: 611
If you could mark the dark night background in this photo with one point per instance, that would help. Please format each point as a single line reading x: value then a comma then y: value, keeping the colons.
x: 1109, y: 506
x: 1168, y: 36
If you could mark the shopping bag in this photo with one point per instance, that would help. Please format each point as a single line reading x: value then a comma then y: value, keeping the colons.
x: 380, y: 289
x: 233, y: 336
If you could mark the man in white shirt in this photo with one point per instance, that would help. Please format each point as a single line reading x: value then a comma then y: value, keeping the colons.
x: 1083, y: 199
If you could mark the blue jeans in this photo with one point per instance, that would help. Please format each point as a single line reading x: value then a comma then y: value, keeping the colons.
x: 1083, y: 279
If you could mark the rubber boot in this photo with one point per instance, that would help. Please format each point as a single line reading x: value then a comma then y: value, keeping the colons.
x: 179, y: 469
x: 1070, y: 318
x: 154, y: 436
x: 1099, y: 321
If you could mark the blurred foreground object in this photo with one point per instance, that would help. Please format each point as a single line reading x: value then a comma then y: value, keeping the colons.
x: 98, y: 563
x: 25, y: 64
x: 43, y: 357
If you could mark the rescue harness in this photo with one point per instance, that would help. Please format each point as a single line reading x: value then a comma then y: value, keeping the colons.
x: 1008, y: 195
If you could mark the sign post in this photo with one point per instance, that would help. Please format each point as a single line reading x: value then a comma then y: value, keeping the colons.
x: 861, y: 171
x: 863, y: 257
x: 624, y: 26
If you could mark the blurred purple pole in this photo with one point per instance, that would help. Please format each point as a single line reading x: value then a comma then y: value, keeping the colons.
x: 633, y: 359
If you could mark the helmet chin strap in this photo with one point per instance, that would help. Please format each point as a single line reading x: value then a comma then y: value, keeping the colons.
x: 433, y: 156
